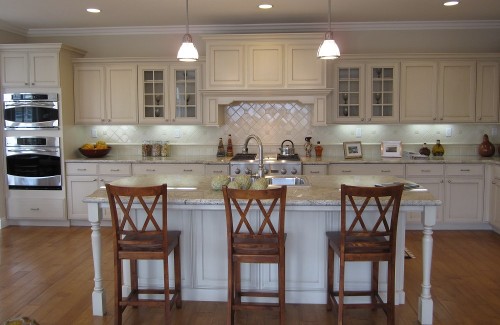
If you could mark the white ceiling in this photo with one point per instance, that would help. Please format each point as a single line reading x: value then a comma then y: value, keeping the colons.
x: 30, y: 16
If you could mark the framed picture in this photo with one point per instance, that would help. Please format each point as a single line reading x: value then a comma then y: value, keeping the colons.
x: 391, y: 149
x: 352, y: 150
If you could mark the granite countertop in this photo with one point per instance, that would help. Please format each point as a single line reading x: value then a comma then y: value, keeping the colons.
x: 323, y: 190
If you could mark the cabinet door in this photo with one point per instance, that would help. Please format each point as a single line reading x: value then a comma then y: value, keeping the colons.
x: 185, y: 107
x: 153, y: 94
x: 89, y: 83
x: 121, y: 94
x: 226, y: 66
x: 457, y: 91
x: 314, y: 169
x: 464, y: 200
x: 303, y: 69
x: 349, y: 102
x: 495, y: 201
x: 78, y: 187
x: 382, y: 88
x: 15, y: 69
x: 265, y: 66
x: 44, y: 69
x: 487, y: 92
x: 419, y: 81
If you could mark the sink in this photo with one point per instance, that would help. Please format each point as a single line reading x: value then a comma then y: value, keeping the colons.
x: 288, y: 180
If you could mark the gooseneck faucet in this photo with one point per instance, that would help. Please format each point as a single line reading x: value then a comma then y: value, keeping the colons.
x: 261, y: 152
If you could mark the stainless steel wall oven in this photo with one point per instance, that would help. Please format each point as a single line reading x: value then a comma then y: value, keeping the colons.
x: 33, y: 163
x: 31, y: 111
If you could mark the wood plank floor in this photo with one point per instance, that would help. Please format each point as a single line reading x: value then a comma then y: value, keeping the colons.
x: 46, y: 273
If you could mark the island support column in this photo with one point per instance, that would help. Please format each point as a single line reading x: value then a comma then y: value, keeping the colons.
x: 425, y: 303
x: 98, y: 295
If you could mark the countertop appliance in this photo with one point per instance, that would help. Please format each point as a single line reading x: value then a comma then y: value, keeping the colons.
x: 33, y: 163
x: 31, y: 111
x: 246, y: 163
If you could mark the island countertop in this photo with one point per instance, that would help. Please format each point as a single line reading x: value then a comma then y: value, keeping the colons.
x: 323, y: 190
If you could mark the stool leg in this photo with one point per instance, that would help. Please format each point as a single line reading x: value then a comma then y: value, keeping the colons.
x: 230, y: 292
x: 118, y: 291
x: 390, y: 293
x: 340, y: 311
x: 177, y: 270
x: 329, y: 281
x: 281, y: 288
x: 166, y: 290
x: 374, y: 282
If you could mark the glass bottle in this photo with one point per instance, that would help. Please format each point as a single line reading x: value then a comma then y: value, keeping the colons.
x: 229, y: 150
x: 156, y: 149
x: 146, y: 148
x: 308, y: 146
x: 424, y: 150
x: 165, y: 149
x: 220, y: 149
x: 438, y: 149
x: 319, y: 150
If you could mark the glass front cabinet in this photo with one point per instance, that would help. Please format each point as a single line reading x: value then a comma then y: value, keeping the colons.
x: 168, y: 94
x: 367, y: 92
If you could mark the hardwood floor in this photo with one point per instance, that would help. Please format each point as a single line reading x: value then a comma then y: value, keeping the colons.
x: 46, y: 273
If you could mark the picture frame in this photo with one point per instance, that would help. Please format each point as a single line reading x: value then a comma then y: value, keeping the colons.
x: 352, y: 150
x: 391, y: 149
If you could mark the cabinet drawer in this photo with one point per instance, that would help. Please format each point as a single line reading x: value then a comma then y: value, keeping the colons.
x: 41, y: 209
x: 314, y: 169
x: 217, y: 169
x: 81, y: 168
x: 188, y: 169
x: 115, y: 169
x: 419, y: 170
x: 397, y: 170
x: 465, y: 170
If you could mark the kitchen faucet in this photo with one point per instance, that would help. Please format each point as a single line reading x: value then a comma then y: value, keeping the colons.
x: 261, y: 153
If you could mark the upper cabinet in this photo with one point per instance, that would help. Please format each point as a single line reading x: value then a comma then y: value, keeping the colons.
x: 105, y: 93
x: 488, y: 91
x: 366, y: 92
x: 264, y: 61
x: 34, y: 65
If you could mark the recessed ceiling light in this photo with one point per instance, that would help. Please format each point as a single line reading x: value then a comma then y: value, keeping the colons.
x: 451, y: 3
x: 94, y: 10
x: 265, y: 6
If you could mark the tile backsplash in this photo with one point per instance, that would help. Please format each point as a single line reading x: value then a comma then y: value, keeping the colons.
x: 274, y: 122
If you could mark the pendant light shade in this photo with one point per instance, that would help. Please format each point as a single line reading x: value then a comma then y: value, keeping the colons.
x: 329, y: 50
x: 187, y: 52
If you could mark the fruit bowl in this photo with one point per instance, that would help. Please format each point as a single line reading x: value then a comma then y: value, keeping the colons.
x: 95, y: 153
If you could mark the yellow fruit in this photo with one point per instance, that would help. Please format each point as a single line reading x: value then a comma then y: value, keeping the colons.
x: 101, y: 143
x: 88, y: 146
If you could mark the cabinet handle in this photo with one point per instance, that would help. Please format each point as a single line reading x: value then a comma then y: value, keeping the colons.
x: 150, y: 170
x: 314, y: 172
x: 35, y: 209
x: 425, y: 170
x: 465, y: 170
x: 114, y: 170
x: 216, y: 171
x: 188, y: 170
x: 94, y: 180
x: 32, y: 83
x: 81, y: 169
x: 346, y: 171
x: 26, y: 83
x: 385, y: 171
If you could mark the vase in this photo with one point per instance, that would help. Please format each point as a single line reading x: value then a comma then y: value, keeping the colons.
x: 424, y: 150
x: 486, y: 148
x: 438, y: 149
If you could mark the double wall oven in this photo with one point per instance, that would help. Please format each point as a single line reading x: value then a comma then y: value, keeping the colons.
x: 32, y: 142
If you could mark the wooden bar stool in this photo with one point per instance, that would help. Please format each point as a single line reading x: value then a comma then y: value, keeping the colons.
x: 137, y: 238
x: 369, y: 237
x: 254, y: 242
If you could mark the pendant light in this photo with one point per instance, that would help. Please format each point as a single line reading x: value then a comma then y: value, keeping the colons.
x: 188, y: 51
x: 328, y: 50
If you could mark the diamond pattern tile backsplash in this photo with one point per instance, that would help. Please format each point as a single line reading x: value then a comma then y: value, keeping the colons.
x: 275, y: 122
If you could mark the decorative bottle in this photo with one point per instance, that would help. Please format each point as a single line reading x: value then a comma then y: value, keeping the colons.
x: 229, y: 148
x: 438, y: 149
x: 486, y: 148
x: 220, y: 149
x: 308, y: 146
x: 424, y: 150
x: 319, y: 150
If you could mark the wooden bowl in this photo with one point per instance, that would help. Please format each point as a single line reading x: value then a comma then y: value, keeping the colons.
x: 95, y: 153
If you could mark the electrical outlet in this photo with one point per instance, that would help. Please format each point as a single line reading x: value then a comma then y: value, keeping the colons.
x: 177, y: 133
x: 358, y: 132
x: 94, y: 133
x: 449, y: 132
x: 494, y: 132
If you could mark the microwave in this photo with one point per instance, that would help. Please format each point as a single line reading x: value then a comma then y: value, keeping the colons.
x: 31, y: 111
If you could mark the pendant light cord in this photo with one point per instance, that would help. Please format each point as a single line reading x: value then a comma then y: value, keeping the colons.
x: 330, y: 15
x: 187, y: 17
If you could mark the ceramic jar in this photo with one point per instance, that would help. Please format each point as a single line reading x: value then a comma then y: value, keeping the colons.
x: 486, y: 148
x: 424, y: 150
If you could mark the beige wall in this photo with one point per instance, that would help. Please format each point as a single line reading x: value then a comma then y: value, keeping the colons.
x: 8, y: 37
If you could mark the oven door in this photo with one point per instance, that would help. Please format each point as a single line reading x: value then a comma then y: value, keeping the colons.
x: 29, y: 115
x: 34, y: 169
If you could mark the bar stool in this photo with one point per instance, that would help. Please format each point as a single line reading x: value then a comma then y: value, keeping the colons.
x: 368, y: 237
x: 148, y: 238
x: 264, y: 242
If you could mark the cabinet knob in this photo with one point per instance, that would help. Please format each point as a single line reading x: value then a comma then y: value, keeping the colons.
x: 26, y: 84
x: 32, y: 83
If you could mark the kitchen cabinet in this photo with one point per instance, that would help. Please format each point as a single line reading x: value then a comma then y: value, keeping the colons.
x: 397, y: 170
x: 177, y: 169
x: 430, y: 177
x: 105, y: 93
x: 314, y: 169
x: 84, y: 178
x: 487, y: 92
x: 464, y: 193
x: 269, y: 61
x: 153, y: 94
x: 184, y: 102
x: 495, y: 199
x: 36, y: 208
x: 217, y: 169
x: 367, y: 92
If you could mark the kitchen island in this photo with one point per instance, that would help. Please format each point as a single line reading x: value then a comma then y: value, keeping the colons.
x: 198, y: 211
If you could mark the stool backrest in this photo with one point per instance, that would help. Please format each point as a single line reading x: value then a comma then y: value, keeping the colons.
x: 371, y: 231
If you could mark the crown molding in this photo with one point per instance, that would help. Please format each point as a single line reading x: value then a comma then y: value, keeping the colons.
x: 255, y: 28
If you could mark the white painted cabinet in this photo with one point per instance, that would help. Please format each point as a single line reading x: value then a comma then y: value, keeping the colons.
x: 153, y: 96
x: 494, y: 199
x: 487, y: 92
x: 314, y: 169
x: 185, y: 105
x: 464, y: 193
x: 84, y: 178
x: 178, y: 169
x: 30, y: 69
x: 36, y: 208
x: 105, y: 93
